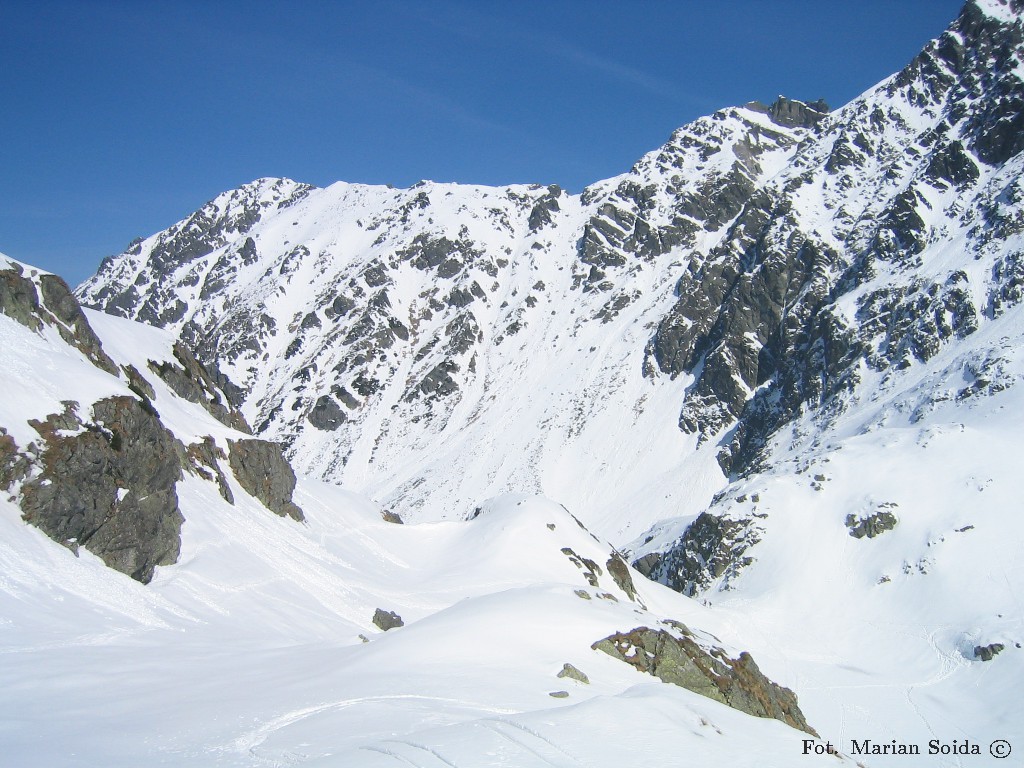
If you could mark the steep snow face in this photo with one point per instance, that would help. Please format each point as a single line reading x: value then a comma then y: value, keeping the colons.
x: 438, y: 345
x: 256, y: 643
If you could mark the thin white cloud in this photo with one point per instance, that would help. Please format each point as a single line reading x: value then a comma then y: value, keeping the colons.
x: 614, y: 69
x: 472, y: 23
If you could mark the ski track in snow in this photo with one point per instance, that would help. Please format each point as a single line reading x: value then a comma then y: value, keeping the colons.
x: 390, y: 753
x: 423, y: 748
x: 250, y: 740
x: 493, y: 723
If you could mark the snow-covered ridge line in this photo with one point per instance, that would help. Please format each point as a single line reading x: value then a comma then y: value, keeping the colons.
x: 367, y: 321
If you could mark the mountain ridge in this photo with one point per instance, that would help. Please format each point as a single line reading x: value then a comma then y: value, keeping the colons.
x: 776, y: 365
x: 744, y: 239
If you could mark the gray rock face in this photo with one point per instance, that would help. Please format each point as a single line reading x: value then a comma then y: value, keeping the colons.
x: 72, y: 325
x: 678, y: 659
x: 386, y: 620
x: 874, y: 524
x: 214, y: 225
x: 204, y: 460
x: 712, y: 547
x: 110, y: 488
x: 20, y: 300
x: 14, y: 466
x: 791, y: 113
x: 540, y: 214
x: 261, y: 469
x: 326, y: 414
x: 619, y: 572
x: 648, y: 563
x: 591, y: 570
x: 758, y: 315
x: 988, y: 652
x: 191, y: 380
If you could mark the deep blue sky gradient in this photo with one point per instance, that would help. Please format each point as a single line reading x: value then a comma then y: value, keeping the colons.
x: 118, y: 118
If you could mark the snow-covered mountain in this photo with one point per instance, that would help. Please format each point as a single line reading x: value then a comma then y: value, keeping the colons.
x: 269, y: 621
x: 776, y: 362
x: 437, y: 345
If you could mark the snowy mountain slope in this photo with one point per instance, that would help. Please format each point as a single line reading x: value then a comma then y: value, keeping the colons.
x: 890, y: 234
x: 883, y: 550
x: 386, y: 335
x: 93, y: 450
x: 263, y: 669
x: 258, y: 644
x: 781, y: 367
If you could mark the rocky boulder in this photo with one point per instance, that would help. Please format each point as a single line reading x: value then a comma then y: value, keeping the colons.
x: 386, y: 620
x: 678, y: 659
x: 261, y: 469
x: 108, y: 486
x: 872, y: 525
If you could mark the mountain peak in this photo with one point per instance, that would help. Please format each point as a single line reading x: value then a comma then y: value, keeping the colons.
x: 1008, y: 11
x: 792, y: 113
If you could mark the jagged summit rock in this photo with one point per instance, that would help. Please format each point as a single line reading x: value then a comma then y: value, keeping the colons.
x: 792, y: 113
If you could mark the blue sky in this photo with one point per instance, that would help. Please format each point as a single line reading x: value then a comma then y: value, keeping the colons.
x: 119, y: 118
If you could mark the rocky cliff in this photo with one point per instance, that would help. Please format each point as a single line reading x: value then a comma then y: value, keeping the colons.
x: 101, y: 472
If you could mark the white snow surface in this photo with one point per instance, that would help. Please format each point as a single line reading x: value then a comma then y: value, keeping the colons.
x: 548, y: 395
x: 250, y: 650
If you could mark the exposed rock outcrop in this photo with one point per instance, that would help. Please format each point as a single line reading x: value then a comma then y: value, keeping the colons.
x: 386, y: 620
x: 872, y: 525
x: 191, y: 380
x: 573, y: 673
x: 261, y: 469
x: 712, y: 547
x: 57, y: 307
x: 204, y: 460
x: 678, y: 659
x: 619, y: 571
x: 591, y: 570
x: 988, y: 652
x: 391, y: 517
x: 108, y: 484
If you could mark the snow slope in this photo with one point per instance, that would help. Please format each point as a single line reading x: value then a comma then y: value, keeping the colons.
x: 258, y: 646
x: 434, y: 346
x: 776, y: 362
x: 883, y: 631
